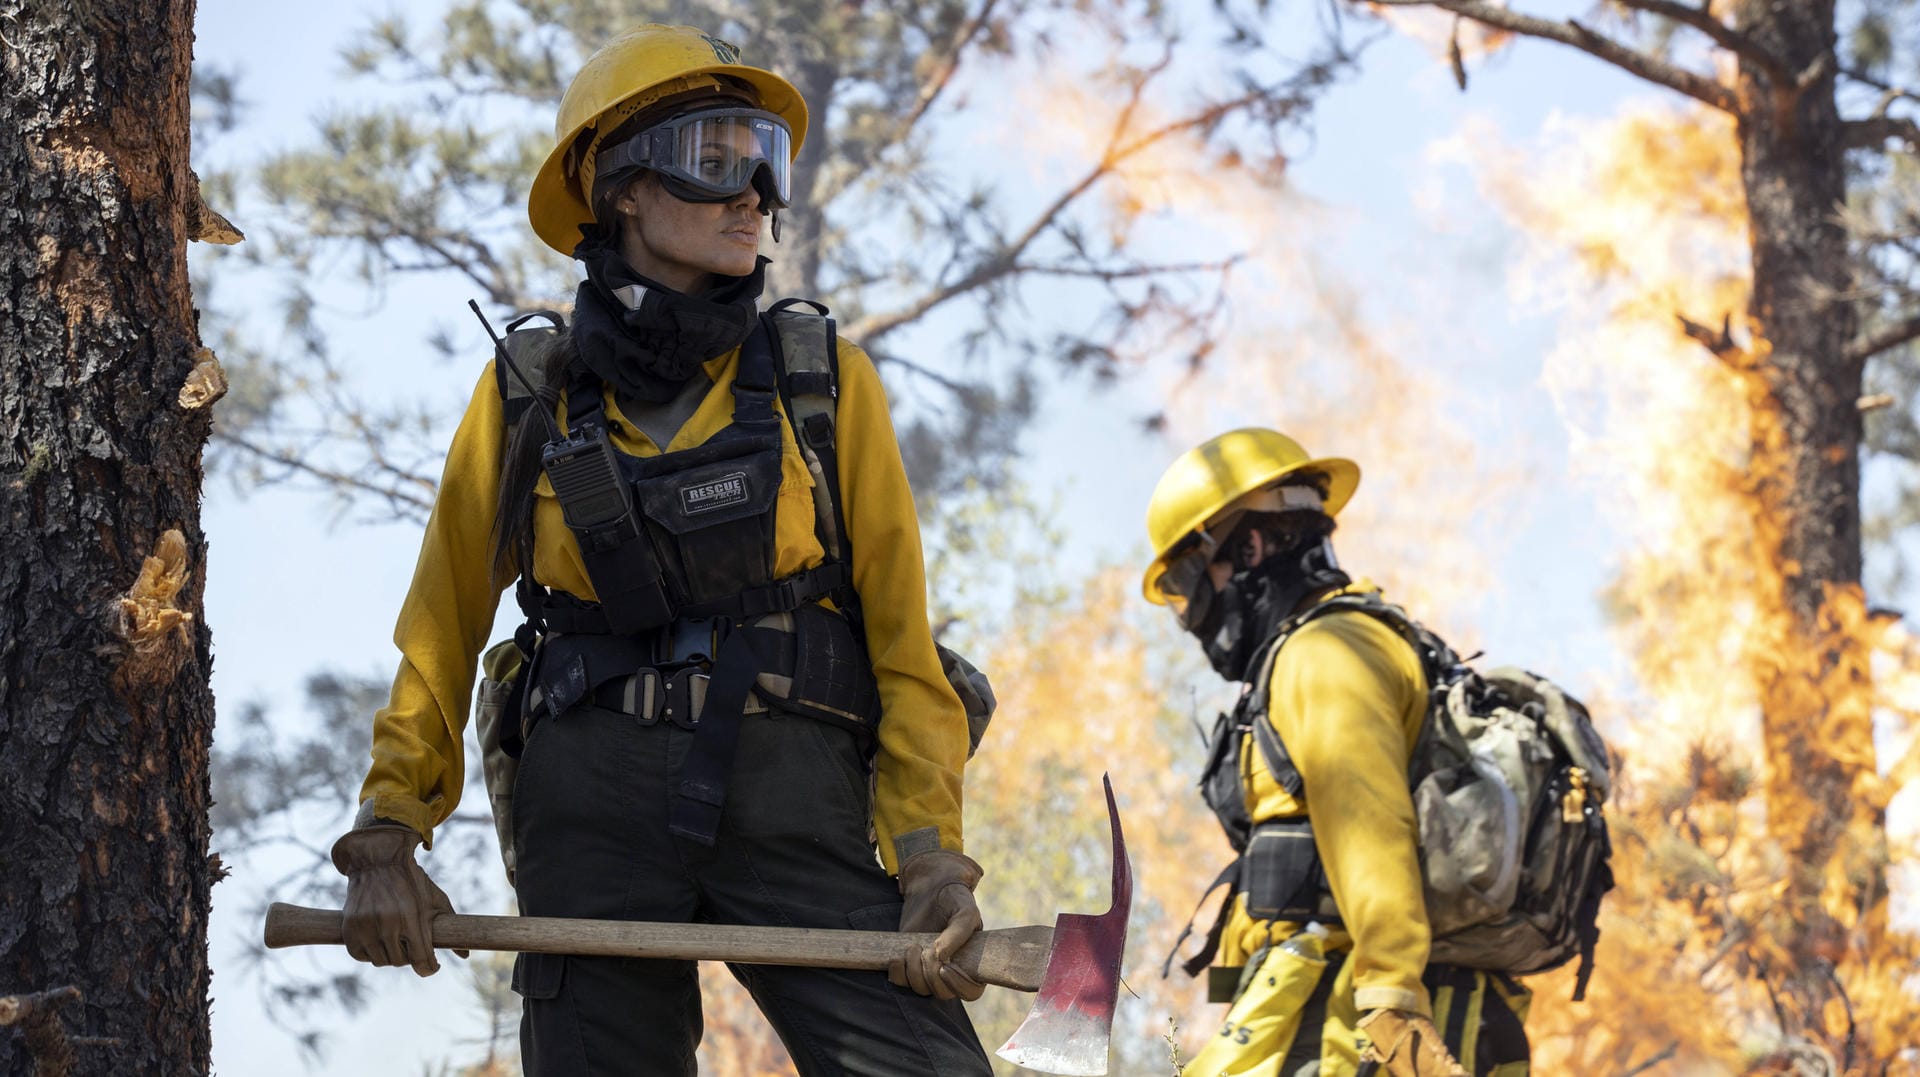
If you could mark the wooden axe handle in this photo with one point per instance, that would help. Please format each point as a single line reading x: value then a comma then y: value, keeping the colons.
x: 1013, y: 957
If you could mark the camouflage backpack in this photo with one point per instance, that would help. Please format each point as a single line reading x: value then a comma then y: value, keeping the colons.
x: 1509, y: 779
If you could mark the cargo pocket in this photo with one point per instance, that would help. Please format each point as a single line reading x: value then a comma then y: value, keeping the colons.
x: 842, y: 757
x: 882, y: 917
x: 1263, y: 1022
x: 539, y: 976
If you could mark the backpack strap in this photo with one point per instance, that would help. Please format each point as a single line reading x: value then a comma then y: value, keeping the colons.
x: 1229, y: 877
x: 1427, y: 648
x: 526, y: 347
x: 807, y: 350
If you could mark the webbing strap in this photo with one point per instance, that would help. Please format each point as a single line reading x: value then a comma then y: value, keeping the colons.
x: 1230, y: 878
x: 563, y: 613
x: 1274, y: 751
x: 584, y: 405
x: 819, y: 434
x: 701, y: 790
x: 754, y: 383
x: 1279, y: 761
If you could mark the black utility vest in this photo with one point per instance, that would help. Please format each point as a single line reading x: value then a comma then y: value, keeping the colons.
x: 681, y: 551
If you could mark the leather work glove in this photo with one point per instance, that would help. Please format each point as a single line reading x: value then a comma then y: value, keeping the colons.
x: 1405, y: 1044
x: 390, y: 901
x: 937, y: 886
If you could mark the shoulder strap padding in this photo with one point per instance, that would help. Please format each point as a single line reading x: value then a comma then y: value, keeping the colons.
x: 809, y: 371
x: 527, y: 347
x: 1427, y: 649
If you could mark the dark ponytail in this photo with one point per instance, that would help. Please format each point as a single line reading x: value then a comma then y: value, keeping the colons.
x: 512, y: 543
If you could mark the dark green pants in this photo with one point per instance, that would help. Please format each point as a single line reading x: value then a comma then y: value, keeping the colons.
x: 590, y: 833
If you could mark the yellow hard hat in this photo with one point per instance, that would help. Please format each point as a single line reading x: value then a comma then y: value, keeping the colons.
x: 647, y: 64
x: 1213, y: 475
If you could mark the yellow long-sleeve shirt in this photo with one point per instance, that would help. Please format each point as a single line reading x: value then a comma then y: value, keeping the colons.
x: 418, y: 754
x: 1348, y: 698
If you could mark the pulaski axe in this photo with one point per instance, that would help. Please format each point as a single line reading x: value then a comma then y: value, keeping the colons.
x: 1074, y: 965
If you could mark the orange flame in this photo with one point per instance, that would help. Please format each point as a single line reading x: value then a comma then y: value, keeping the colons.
x: 1727, y: 861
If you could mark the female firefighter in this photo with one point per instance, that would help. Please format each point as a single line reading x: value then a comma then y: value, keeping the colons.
x: 715, y: 648
x: 1323, y: 948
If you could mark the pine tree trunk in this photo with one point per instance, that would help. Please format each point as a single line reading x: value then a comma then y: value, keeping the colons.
x: 1815, y: 687
x: 105, y: 709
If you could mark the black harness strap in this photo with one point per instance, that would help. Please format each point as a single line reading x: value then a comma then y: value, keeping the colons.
x: 563, y: 613
x: 1230, y: 878
x: 701, y: 791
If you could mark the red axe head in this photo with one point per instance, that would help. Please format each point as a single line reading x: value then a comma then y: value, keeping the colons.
x: 1067, y: 1030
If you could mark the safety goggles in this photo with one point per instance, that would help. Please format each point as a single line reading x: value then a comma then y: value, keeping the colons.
x: 1185, y: 583
x: 712, y: 155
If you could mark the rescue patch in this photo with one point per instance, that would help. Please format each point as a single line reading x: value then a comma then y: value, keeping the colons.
x: 723, y: 492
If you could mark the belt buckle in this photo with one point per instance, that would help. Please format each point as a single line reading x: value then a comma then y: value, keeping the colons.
x: 641, y: 696
x: 686, y: 697
x: 692, y: 640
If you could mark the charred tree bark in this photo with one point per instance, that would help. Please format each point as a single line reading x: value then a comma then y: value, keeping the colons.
x: 105, y: 709
x: 1815, y: 688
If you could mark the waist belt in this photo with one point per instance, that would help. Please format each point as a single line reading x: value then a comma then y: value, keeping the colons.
x: 653, y: 695
x: 701, y: 673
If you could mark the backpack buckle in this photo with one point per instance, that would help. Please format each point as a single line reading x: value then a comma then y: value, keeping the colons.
x: 692, y: 639
x: 818, y: 430
x: 1573, y: 804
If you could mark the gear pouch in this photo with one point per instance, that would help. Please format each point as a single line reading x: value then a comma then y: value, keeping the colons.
x: 710, y: 511
x: 491, y: 713
x: 1281, y: 874
x: 1220, y: 782
x: 832, y: 677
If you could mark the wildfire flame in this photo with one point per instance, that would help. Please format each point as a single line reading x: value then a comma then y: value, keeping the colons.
x: 1751, y: 825
x: 1683, y: 443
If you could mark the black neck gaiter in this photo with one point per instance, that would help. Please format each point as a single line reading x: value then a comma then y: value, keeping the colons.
x: 650, y: 350
x: 1257, y: 601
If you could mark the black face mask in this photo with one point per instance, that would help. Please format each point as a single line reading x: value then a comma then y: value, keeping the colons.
x: 650, y: 351
x: 1250, y: 609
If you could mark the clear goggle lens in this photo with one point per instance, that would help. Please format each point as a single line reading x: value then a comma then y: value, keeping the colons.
x: 713, y: 155
x: 1185, y: 586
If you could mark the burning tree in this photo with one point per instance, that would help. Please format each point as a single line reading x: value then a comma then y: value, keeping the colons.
x: 1748, y: 902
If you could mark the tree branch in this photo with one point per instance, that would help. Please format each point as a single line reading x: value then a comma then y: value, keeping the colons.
x: 399, y: 498
x: 942, y: 73
x: 1112, y: 274
x: 1718, y: 341
x: 935, y: 83
x: 1651, y: 68
x: 950, y: 385
x: 1004, y: 261
x: 1699, y: 18
x: 1893, y: 91
x: 1868, y: 345
x: 1873, y: 132
x: 1660, y: 1056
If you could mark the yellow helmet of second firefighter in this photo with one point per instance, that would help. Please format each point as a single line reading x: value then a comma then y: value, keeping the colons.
x: 645, y: 65
x: 1206, y: 480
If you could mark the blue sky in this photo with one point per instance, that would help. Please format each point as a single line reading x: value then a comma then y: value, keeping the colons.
x: 290, y: 589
